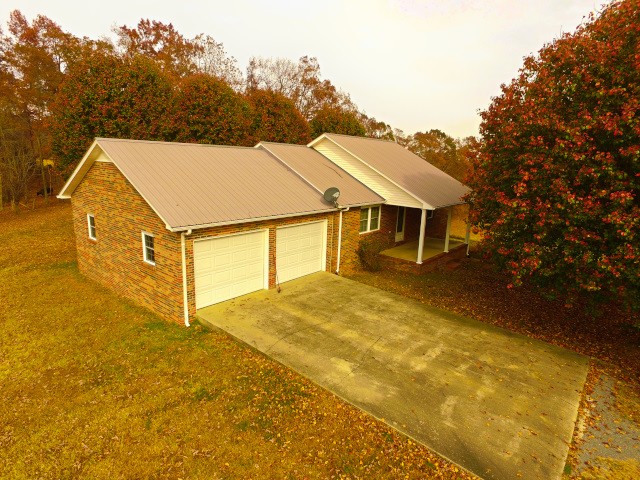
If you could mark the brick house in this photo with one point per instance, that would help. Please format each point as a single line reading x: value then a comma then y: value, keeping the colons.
x: 177, y: 227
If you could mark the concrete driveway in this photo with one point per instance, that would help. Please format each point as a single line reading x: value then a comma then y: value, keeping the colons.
x: 499, y: 404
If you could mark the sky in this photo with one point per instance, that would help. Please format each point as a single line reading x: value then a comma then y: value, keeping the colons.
x: 414, y: 64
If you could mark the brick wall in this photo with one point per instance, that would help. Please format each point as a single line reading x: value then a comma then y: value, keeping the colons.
x: 115, y: 258
x: 436, y: 227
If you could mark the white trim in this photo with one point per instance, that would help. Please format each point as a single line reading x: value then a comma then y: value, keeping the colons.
x: 251, y: 220
x: 369, y: 219
x: 323, y: 136
x: 92, y: 236
x: 265, y: 234
x: 76, y: 171
x: 144, y: 248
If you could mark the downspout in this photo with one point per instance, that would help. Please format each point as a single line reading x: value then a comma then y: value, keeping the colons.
x: 185, y: 300
x: 340, y: 239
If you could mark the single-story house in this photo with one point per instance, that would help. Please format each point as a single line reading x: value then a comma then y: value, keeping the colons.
x: 177, y: 227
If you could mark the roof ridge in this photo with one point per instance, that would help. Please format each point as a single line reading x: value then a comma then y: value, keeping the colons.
x: 165, y: 142
x: 363, y: 138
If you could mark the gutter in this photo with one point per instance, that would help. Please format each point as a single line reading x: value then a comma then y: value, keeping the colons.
x: 185, y: 299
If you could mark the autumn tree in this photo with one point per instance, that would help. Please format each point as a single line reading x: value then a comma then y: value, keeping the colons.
x: 34, y: 57
x: 161, y: 43
x: 556, y: 187
x: 107, y: 96
x: 276, y: 118
x: 207, y: 110
x: 378, y: 129
x: 300, y: 82
x: 440, y: 150
x: 211, y: 58
x: 336, y: 120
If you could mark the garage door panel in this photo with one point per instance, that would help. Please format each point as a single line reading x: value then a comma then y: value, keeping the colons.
x: 227, y: 267
x: 299, y: 250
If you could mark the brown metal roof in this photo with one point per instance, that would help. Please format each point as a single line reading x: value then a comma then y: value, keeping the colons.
x: 412, y: 173
x: 193, y: 185
x: 322, y: 173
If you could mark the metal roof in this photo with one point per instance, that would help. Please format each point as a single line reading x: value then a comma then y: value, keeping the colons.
x: 195, y: 185
x: 404, y: 168
x: 322, y: 173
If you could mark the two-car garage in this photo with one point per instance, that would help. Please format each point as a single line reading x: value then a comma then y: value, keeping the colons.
x: 232, y: 265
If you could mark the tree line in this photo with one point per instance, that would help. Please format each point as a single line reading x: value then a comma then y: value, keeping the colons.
x: 59, y: 92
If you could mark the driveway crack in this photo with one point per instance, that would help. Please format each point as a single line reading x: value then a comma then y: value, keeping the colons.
x: 363, y: 356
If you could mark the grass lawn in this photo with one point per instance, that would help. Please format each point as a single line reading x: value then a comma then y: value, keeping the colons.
x: 92, y: 386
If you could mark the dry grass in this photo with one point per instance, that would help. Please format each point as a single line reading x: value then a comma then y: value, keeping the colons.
x: 95, y: 387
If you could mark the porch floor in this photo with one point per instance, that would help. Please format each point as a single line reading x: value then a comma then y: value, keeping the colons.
x: 432, y: 248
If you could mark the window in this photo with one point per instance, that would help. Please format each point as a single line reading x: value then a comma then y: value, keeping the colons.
x: 369, y: 219
x: 91, y: 226
x: 430, y: 214
x: 148, y: 248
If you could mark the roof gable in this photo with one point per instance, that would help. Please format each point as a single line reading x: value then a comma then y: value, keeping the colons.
x: 405, y: 169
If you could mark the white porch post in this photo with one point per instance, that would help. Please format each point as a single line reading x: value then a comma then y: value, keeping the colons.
x: 446, y: 238
x: 423, y: 221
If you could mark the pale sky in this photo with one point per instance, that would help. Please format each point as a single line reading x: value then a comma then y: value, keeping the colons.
x: 415, y: 64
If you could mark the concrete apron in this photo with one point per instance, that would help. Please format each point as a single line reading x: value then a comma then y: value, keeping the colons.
x: 498, y: 404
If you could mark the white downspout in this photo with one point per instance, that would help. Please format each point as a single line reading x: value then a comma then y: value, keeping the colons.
x: 185, y: 300
x: 340, y: 240
x: 423, y: 221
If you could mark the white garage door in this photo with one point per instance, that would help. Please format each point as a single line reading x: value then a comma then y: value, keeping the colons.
x: 227, y: 267
x: 300, y: 250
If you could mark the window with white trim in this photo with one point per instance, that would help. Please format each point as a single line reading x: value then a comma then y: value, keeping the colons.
x: 91, y: 226
x: 430, y: 214
x: 148, y: 248
x: 369, y: 218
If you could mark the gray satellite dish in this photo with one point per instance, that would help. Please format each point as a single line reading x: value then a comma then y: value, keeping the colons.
x: 331, y: 195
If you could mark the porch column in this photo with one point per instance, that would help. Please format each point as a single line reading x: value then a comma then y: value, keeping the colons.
x: 446, y: 238
x: 423, y: 221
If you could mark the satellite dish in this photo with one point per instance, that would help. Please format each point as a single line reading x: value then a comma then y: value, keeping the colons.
x: 331, y: 195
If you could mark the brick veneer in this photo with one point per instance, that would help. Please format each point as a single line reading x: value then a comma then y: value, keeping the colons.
x: 114, y: 259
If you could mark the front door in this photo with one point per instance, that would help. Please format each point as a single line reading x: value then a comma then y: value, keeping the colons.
x: 402, y: 213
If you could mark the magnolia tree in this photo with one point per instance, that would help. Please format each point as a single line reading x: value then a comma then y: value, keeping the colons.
x: 556, y: 184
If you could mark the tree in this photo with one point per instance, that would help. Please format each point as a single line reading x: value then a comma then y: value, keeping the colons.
x: 336, y: 120
x: 276, y: 119
x: 106, y: 96
x: 556, y: 186
x: 206, y: 110
x: 33, y: 60
x: 211, y: 58
x: 299, y: 82
x: 161, y: 43
x: 440, y: 150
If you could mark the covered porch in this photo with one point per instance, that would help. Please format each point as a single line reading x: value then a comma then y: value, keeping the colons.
x: 432, y: 247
